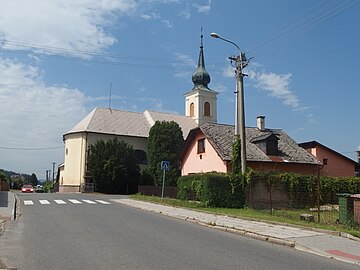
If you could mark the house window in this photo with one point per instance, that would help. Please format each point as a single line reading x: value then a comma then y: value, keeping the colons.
x: 268, y: 144
x: 325, y: 161
x: 192, y: 109
x: 207, y: 109
x: 201, y: 146
x: 272, y: 147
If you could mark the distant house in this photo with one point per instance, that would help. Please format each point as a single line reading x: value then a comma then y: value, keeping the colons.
x: 335, y: 164
x: 209, y: 148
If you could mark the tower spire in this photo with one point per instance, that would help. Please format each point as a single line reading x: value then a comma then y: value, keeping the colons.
x: 201, y: 77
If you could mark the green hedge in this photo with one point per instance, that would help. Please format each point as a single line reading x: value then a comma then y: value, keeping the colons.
x: 330, y: 186
x: 213, y: 189
x: 302, y: 189
x: 223, y: 190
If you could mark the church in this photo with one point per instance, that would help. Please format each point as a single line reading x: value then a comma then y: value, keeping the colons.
x: 132, y: 128
x: 207, y: 147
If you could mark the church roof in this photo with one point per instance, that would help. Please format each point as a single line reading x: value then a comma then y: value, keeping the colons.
x: 201, y: 77
x: 126, y: 123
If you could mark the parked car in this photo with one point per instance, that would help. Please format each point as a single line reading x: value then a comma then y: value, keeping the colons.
x: 39, y: 189
x: 27, y: 188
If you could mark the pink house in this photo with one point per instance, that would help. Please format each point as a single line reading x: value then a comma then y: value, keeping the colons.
x: 335, y: 164
x: 209, y: 148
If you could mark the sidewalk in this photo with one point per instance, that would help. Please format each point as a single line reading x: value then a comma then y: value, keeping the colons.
x: 7, y: 206
x: 324, y: 243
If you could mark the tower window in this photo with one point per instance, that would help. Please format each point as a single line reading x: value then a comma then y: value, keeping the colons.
x: 206, y: 109
x: 192, y: 109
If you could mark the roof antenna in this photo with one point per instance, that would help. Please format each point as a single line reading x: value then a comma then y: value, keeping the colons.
x: 110, y: 97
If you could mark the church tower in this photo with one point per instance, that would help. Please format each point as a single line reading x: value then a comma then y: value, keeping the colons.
x: 200, y: 102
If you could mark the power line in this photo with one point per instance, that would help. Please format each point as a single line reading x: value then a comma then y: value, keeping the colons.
x: 175, y: 64
x: 315, y: 15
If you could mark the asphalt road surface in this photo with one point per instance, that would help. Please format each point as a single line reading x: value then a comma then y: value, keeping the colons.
x: 79, y: 231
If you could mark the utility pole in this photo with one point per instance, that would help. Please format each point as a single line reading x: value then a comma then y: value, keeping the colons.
x: 241, y: 62
x: 53, y: 176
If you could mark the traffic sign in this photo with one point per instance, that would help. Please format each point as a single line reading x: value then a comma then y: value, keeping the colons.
x: 165, y: 165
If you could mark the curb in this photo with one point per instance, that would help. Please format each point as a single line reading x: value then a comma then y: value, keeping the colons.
x: 257, y: 236
x: 323, y: 254
x: 14, y: 207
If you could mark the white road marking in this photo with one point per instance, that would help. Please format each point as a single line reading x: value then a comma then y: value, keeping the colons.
x: 28, y: 203
x: 44, y: 201
x: 89, y: 202
x: 59, y: 201
x: 103, y: 202
x: 75, y: 201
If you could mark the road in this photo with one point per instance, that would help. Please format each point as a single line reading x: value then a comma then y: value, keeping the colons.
x: 80, y: 231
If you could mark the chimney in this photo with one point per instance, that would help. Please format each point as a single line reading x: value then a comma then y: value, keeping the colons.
x: 260, y: 121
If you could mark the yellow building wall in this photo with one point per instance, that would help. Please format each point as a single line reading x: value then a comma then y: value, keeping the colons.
x: 76, y: 148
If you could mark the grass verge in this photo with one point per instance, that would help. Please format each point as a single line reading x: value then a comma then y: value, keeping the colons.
x: 288, y: 216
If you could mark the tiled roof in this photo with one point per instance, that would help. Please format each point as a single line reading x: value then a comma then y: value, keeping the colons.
x: 221, y: 137
x: 119, y: 122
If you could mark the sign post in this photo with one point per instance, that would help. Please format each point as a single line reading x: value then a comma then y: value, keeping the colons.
x: 165, y: 166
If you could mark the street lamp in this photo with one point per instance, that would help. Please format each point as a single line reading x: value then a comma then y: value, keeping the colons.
x: 241, y: 63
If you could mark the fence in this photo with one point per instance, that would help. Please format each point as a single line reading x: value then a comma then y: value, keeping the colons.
x: 87, y: 187
x: 286, y: 195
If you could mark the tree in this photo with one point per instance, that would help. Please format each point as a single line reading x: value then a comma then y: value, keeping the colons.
x: 113, y: 167
x: 164, y: 143
x: 33, y: 179
x: 3, y: 175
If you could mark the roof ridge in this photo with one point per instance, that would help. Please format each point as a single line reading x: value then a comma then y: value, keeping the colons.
x: 177, y: 114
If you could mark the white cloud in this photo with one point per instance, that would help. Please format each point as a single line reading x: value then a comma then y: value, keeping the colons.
x: 277, y: 84
x: 34, y: 115
x: 218, y: 87
x: 183, y: 65
x: 229, y: 72
x: 167, y: 23
x: 71, y: 25
x: 150, y: 16
x: 203, y: 8
x: 185, y: 14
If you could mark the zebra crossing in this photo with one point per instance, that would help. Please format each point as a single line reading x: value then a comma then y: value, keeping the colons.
x: 63, y: 202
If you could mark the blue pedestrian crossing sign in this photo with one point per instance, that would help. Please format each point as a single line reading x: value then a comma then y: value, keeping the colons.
x: 165, y: 165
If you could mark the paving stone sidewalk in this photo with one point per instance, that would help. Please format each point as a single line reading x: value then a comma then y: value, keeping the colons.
x: 322, y: 243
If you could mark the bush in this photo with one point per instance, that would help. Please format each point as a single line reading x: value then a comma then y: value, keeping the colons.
x: 213, y: 189
x: 302, y: 189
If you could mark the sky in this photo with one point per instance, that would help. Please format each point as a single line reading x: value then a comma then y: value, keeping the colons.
x: 60, y: 59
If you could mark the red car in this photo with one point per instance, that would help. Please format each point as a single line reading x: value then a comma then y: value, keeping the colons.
x: 27, y: 188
